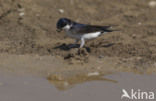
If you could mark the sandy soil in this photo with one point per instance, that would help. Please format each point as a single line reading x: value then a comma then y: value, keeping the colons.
x: 29, y: 42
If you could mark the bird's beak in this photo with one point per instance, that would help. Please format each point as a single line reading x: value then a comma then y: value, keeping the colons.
x: 58, y: 30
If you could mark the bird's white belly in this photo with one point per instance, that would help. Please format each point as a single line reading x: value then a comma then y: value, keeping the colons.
x: 85, y: 36
x: 91, y: 35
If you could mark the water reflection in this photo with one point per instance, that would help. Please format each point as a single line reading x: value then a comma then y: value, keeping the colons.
x: 64, y: 82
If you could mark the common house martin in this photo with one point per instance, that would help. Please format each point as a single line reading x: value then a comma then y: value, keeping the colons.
x: 81, y: 32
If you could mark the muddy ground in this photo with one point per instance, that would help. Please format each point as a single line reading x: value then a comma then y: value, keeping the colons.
x: 30, y: 43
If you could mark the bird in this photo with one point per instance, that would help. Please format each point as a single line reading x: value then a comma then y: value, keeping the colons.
x: 81, y: 32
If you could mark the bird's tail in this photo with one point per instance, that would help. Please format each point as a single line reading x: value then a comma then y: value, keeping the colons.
x: 110, y: 28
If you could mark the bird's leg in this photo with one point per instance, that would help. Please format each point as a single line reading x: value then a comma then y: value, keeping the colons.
x: 82, y: 42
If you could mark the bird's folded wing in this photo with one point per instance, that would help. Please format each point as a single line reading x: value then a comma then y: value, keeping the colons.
x: 91, y: 29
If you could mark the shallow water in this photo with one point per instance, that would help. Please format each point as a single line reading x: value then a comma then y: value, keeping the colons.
x: 27, y: 88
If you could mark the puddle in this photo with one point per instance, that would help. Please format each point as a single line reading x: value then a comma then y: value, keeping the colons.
x: 82, y: 88
x: 64, y: 82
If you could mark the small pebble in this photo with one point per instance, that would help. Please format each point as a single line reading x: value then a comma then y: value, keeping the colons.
x: 139, y: 58
x: 139, y: 23
x: 152, y: 3
x: 134, y: 36
x: 61, y: 10
x: 21, y: 14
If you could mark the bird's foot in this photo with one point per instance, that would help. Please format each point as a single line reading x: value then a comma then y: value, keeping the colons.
x: 83, y: 52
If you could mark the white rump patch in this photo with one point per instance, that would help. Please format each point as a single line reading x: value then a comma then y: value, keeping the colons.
x: 91, y: 35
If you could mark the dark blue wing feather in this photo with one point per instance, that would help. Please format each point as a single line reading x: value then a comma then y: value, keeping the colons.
x: 84, y: 28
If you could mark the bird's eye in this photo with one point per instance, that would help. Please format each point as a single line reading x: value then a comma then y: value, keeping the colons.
x: 64, y: 23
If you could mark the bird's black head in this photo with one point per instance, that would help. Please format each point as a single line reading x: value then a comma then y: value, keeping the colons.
x: 62, y: 22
